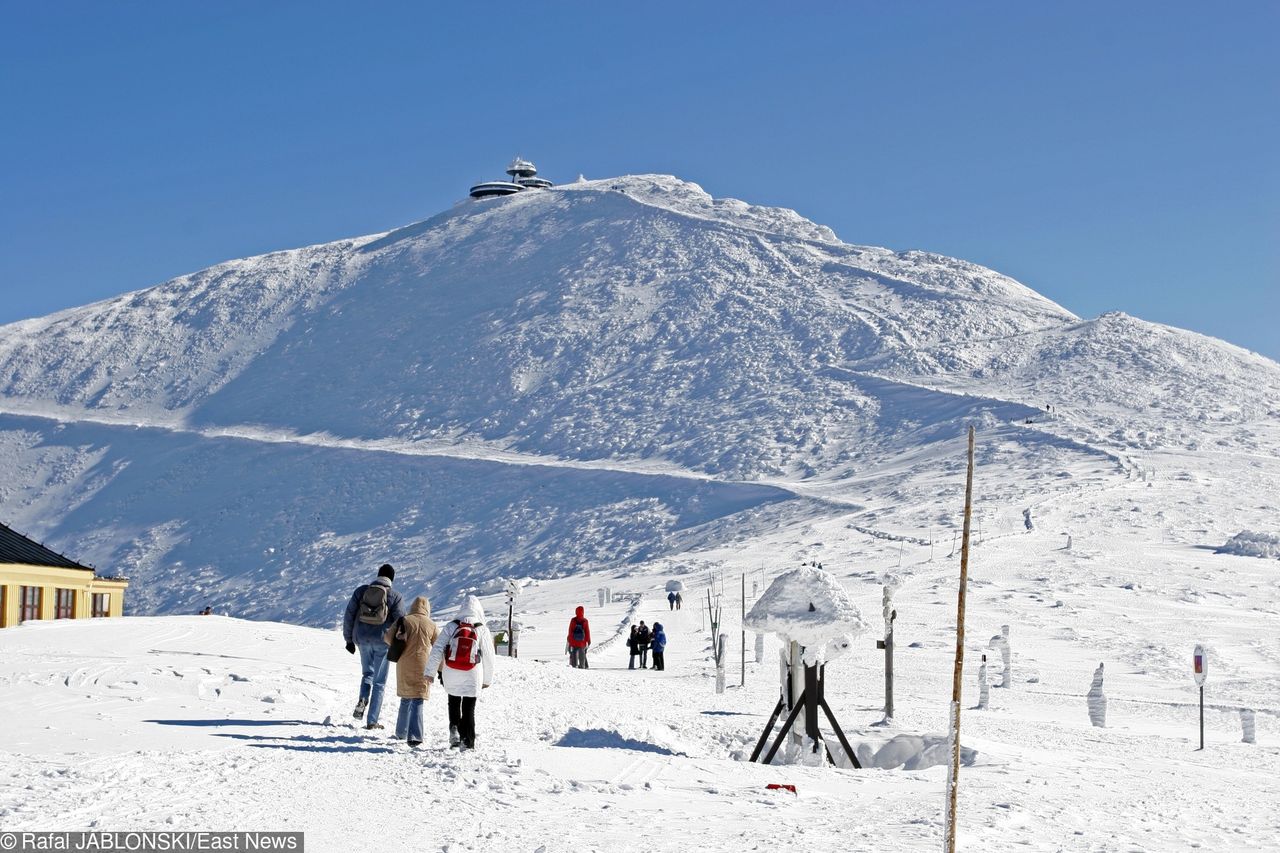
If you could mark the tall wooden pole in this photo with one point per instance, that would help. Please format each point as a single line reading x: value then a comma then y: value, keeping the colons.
x: 743, y: 623
x: 953, y: 772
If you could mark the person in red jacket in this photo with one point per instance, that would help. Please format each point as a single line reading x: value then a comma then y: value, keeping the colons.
x: 579, y: 640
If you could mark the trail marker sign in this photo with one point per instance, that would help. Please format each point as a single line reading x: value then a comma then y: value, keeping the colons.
x: 1200, y: 669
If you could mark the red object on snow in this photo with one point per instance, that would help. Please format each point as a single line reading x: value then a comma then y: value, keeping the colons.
x: 774, y: 786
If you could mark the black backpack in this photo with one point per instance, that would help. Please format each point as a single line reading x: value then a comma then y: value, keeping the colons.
x: 373, y: 604
x: 396, y: 649
x: 579, y: 632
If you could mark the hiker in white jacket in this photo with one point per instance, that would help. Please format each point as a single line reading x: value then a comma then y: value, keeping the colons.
x: 463, y: 653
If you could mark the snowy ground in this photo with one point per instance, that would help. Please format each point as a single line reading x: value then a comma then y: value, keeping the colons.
x: 209, y: 722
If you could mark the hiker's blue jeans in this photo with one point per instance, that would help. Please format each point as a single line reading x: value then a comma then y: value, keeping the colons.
x: 373, y: 677
x: 409, y: 722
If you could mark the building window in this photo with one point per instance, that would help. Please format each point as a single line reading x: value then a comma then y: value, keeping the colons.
x: 101, y: 604
x: 30, y: 604
x: 64, y: 604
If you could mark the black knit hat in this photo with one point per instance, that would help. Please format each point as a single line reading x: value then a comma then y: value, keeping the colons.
x: 387, y: 572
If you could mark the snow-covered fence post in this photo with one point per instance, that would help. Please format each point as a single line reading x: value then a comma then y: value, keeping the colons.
x: 759, y: 647
x: 1001, y: 643
x: 1097, y: 701
x: 720, y: 655
x: 891, y: 583
x: 1006, y: 655
x: 984, y: 687
x: 1248, y: 733
x: 600, y: 595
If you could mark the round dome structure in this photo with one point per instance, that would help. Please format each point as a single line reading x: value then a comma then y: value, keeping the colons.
x: 524, y: 176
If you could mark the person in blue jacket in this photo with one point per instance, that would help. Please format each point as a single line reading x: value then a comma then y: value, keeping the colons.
x: 658, y: 642
x: 372, y: 610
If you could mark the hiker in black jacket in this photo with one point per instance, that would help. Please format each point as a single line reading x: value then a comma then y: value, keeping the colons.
x: 372, y: 610
x: 643, y: 638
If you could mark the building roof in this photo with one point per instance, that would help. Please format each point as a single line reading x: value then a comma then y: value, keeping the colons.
x: 16, y: 548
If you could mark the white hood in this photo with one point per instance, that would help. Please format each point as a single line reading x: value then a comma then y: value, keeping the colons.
x: 471, y: 611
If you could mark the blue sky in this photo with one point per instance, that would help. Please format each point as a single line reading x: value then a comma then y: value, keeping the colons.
x: 1113, y: 156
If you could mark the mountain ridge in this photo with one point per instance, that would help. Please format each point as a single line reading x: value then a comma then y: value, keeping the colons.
x: 611, y: 332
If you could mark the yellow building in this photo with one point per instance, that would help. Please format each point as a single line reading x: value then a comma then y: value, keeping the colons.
x: 36, y: 583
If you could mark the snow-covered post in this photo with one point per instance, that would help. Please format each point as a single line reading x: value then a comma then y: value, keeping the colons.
x: 1248, y: 733
x: 984, y: 687
x: 724, y: 642
x: 795, y: 669
x: 891, y: 584
x: 759, y: 647
x: 1000, y: 642
x: 1097, y: 701
x: 513, y: 593
x: 600, y: 595
x: 1006, y: 654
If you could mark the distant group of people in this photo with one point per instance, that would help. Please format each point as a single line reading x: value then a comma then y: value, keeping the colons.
x: 675, y: 600
x: 641, y: 641
x: 460, y: 655
x: 644, y: 639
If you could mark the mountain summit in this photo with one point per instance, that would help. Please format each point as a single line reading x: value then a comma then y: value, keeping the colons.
x: 580, y: 376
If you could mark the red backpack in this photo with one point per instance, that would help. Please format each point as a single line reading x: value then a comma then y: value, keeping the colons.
x: 464, y: 648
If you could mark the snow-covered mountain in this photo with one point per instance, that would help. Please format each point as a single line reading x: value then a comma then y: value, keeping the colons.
x: 617, y: 372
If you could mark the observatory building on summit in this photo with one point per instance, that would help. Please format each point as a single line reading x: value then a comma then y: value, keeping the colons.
x: 524, y: 176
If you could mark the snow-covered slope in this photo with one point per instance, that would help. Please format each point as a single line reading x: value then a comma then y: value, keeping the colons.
x: 546, y: 382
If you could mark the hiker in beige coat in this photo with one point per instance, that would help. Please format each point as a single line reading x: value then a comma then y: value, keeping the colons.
x: 419, y: 634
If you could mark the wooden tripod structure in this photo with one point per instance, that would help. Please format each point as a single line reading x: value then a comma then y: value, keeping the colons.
x: 809, y: 701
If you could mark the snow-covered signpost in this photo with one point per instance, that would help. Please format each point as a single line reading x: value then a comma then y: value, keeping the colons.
x: 814, y: 617
x: 891, y: 583
x: 1200, y: 669
x: 513, y: 592
x: 953, y: 769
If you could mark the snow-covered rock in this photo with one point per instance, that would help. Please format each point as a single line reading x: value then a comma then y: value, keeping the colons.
x: 1246, y: 543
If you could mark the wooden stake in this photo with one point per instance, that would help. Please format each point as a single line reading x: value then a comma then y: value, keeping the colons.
x: 743, y: 623
x: 953, y: 772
